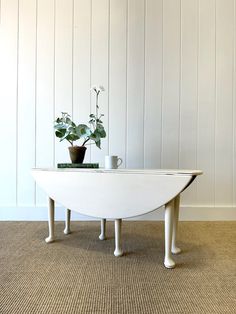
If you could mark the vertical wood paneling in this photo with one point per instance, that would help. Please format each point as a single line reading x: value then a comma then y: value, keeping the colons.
x: 63, y: 68
x: 153, y: 84
x: 206, y: 102
x: 188, y: 92
x: 168, y: 68
x: 81, y: 62
x: 224, y: 102
x: 8, y: 98
x: 171, y: 84
x: 135, y: 83
x: 99, y: 70
x: 117, y: 78
x: 44, y: 88
x: 26, y: 101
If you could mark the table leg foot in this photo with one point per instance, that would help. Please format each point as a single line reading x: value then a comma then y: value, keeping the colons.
x: 169, y: 263
x: 118, y: 253
x: 67, y: 231
x: 175, y: 250
x: 102, y: 236
x: 118, y: 249
x: 49, y: 239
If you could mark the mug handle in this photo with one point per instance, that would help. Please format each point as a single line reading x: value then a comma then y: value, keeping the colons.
x: 119, y: 162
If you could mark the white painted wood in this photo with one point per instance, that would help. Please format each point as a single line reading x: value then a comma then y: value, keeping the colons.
x: 81, y: 64
x: 153, y: 84
x: 169, y: 216
x: 206, y: 102
x: 102, y: 235
x: 174, y: 248
x: 224, y: 102
x: 118, y: 247
x: 99, y: 68
x: 188, y: 92
x: 44, y: 89
x: 156, y: 188
x: 118, y: 79
x: 171, y: 84
x: 135, y: 84
x: 108, y: 34
x: 27, y: 57
x: 134, y: 192
x: 67, y: 222
x: 51, y: 236
x: 63, y: 68
x: 8, y: 99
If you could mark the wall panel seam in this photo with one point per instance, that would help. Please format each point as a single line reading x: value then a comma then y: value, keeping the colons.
x: 198, y: 52
x: 90, y: 61
x: 180, y: 85
x: 215, y: 113
x: 162, y: 86
x: 54, y: 74
x: 233, y: 106
x: 126, y: 105
x: 144, y: 79
x: 72, y: 59
x: 108, y: 74
x: 17, y: 94
x: 35, y: 92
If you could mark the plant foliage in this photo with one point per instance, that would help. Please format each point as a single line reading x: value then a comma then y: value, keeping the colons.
x: 66, y: 129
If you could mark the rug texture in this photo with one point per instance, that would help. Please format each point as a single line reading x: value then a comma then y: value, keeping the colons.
x: 79, y: 274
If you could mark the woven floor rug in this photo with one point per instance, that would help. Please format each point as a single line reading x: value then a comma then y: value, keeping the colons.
x: 79, y: 274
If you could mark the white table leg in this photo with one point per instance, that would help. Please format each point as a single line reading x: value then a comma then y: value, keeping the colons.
x: 67, y: 222
x: 169, y: 213
x: 175, y: 249
x: 51, y: 237
x: 118, y: 249
x: 103, y: 230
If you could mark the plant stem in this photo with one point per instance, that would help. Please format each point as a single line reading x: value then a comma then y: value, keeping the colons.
x: 91, y: 144
x: 97, y: 105
x: 85, y: 141
x: 71, y: 143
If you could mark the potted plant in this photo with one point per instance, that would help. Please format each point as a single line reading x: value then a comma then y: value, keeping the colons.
x: 66, y: 129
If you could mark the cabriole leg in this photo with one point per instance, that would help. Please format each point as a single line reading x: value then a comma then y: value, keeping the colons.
x: 67, y: 221
x: 118, y: 249
x: 103, y: 230
x: 51, y: 237
x: 169, y: 212
x: 175, y: 249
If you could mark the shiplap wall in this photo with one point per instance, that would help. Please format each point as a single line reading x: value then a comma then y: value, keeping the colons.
x: 168, y: 67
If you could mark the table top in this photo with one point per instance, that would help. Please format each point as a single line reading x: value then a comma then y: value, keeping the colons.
x: 126, y: 171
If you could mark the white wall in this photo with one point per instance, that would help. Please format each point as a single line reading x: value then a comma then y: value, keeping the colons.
x: 168, y: 68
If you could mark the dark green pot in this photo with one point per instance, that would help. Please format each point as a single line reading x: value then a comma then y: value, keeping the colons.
x: 77, y: 154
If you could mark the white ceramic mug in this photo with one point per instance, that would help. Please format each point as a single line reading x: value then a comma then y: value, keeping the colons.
x: 112, y: 162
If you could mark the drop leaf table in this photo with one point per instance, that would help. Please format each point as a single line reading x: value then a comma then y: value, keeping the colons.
x: 117, y: 194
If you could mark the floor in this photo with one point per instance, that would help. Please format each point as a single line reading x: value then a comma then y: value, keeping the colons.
x: 79, y: 274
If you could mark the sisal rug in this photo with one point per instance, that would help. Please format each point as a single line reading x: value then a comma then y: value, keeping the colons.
x: 79, y: 274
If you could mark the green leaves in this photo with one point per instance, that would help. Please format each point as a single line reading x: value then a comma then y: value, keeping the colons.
x: 98, y: 144
x: 100, y: 130
x: 60, y: 133
x: 66, y: 129
x: 83, y: 130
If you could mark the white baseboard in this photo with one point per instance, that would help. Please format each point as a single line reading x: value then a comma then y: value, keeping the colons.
x: 187, y: 213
